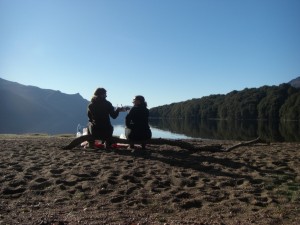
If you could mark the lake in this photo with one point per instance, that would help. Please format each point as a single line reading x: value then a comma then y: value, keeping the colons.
x: 288, y: 131
x: 156, y: 133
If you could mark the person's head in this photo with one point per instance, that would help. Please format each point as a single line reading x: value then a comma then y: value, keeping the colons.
x: 100, y: 92
x: 139, y: 100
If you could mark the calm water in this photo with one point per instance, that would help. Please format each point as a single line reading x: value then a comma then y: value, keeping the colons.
x: 222, y: 129
x: 156, y: 133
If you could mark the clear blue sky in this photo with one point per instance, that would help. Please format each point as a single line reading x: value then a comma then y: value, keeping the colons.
x: 167, y: 50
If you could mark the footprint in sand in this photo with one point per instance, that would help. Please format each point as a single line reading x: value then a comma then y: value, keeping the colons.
x: 69, y: 183
x: 33, y: 169
x: 280, y: 163
x: 28, y: 176
x: 117, y: 199
x: 40, y: 184
x: 138, y: 174
x: 245, y: 199
x: 131, y: 179
x: 183, y: 195
x: 40, y: 180
x: 194, y: 203
x: 13, y: 191
x: 85, y: 176
x: 228, y: 183
x: 18, y: 168
x: 187, y: 182
x: 56, y: 171
x: 130, y: 190
x: 104, y: 191
x: 216, y: 196
x: 9, y: 177
x: 112, y: 180
x: 261, y: 201
x: 17, y: 183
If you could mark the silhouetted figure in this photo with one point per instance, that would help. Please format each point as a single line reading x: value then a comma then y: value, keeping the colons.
x: 99, y: 111
x: 99, y: 127
x: 137, y: 120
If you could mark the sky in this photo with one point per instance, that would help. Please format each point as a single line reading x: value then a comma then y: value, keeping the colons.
x: 166, y: 50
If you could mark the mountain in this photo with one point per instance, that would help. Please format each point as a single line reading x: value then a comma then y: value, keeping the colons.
x: 29, y: 109
x: 295, y: 82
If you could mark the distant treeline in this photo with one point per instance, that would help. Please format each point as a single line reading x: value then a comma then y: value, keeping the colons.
x: 268, y: 102
x: 275, y: 131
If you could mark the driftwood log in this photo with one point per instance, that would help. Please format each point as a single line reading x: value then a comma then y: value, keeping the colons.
x: 156, y: 141
x: 161, y: 141
x: 255, y: 141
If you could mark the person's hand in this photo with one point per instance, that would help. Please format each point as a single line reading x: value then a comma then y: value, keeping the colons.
x: 122, y: 109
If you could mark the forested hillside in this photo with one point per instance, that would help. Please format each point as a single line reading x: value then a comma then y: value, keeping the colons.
x: 267, y: 102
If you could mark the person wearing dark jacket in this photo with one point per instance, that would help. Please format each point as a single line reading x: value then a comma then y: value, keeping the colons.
x: 99, y: 112
x: 137, y: 121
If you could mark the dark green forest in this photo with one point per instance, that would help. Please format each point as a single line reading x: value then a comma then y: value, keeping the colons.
x: 265, y: 103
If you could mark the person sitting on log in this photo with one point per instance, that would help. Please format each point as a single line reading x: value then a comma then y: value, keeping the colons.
x: 99, y: 110
x: 137, y: 123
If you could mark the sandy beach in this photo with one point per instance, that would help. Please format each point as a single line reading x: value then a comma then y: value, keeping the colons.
x: 43, y: 184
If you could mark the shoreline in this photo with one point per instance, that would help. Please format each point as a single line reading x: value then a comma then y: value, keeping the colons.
x: 43, y: 184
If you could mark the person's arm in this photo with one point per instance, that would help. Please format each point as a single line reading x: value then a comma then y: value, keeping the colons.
x: 112, y: 112
x: 128, y: 119
x: 89, y: 113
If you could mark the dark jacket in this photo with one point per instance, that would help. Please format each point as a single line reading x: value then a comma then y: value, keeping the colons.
x: 137, y: 121
x: 99, y: 111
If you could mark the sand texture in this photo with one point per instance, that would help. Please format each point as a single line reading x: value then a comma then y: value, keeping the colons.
x: 42, y: 184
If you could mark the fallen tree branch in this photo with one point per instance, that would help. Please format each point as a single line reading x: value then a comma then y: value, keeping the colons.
x: 156, y: 141
x: 77, y: 141
x: 212, y: 148
x: 161, y: 141
x: 257, y: 140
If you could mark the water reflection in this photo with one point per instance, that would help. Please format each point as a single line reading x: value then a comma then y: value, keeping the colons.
x: 231, y: 130
x: 156, y: 133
